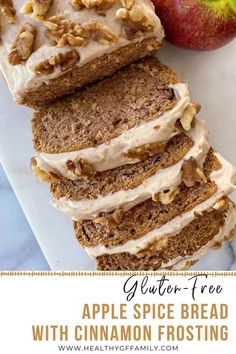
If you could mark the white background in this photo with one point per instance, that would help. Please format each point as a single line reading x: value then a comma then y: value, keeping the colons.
x: 28, y: 300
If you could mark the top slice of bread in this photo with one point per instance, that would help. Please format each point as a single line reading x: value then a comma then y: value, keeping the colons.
x: 68, y: 44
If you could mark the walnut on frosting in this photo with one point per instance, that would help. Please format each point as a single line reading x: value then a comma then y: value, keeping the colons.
x: 100, y: 33
x: 81, y: 168
x: 7, y: 9
x: 65, y: 61
x: 230, y: 235
x: 63, y: 31
x: 38, y: 8
x: 166, y: 197
x: 135, y: 21
x: 216, y: 245
x: 91, y: 4
x: 144, y: 151
x: 192, y: 173
x: 44, y: 176
x: 127, y: 4
x: 221, y: 204
x: 23, y: 45
x: 153, y: 246
x: 188, y: 115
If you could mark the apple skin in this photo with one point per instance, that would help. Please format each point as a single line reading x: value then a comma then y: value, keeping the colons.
x: 198, y: 24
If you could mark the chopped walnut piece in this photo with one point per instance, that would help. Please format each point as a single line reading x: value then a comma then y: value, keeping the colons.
x: 230, y: 235
x: 81, y: 168
x: 66, y: 61
x: 166, y: 197
x: 41, y: 175
x: 221, y: 204
x: 101, y: 13
x: 191, y: 173
x: 56, y: 177
x: 22, y: 47
x: 64, y: 32
x: 91, y: 4
x: 189, y: 113
x: 217, y: 245
x: 198, y: 214
x: 127, y: 4
x: 201, y: 174
x: 153, y: 246
x: 38, y: 8
x: 135, y: 21
x: 100, y: 33
x: 143, y: 152
x: 189, y: 264
x: 7, y: 9
x: 44, y: 176
x: 110, y: 219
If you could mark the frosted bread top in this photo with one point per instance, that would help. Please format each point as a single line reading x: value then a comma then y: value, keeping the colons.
x: 41, y: 40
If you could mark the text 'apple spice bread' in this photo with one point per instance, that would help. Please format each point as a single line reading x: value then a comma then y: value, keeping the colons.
x: 117, y: 121
x: 153, y: 235
x: 50, y: 48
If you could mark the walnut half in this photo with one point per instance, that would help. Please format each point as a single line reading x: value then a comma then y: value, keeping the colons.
x: 192, y: 173
x: 41, y: 175
x: 166, y: 197
x: 64, y: 32
x: 110, y: 220
x: 81, y: 168
x: 38, y: 8
x: 22, y: 47
x: 144, y: 151
x: 221, y: 204
x: 127, y: 4
x: 135, y: 21
x: 7, y: 9
x: 189, y: 113
x: 153, y: 246
x: 65, y: 61
x: 44, y: 176
x: 100, y: 33
x: 91, y: 4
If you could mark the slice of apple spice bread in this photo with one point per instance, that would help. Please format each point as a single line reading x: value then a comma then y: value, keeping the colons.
x: 153, y: 235
x: 128, y: 185
x: 117, y: 121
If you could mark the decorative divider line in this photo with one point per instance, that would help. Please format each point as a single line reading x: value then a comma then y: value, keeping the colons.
x: 111, y: 273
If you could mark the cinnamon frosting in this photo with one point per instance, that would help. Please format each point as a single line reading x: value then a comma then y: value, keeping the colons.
x: 22, y: 77
x: 165, y: 179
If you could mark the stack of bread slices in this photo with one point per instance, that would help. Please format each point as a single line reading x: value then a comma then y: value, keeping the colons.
x: 131, y: 165
x: 126, y: 157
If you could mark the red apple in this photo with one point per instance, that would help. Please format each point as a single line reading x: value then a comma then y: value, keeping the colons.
x: 198, y: 24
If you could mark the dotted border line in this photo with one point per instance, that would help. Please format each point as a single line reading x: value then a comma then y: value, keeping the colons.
x: 63, y: 274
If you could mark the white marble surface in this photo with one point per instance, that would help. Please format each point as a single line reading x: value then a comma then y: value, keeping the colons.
x: 212, y: 80
x: 19, y: 249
